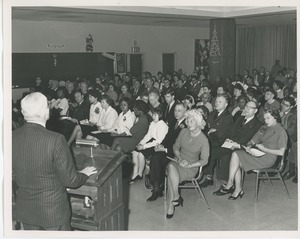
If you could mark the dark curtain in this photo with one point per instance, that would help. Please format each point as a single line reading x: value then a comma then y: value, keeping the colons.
x: 261, y: 46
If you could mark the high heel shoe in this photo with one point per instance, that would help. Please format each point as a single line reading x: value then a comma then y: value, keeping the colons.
x: 241, y: 194
x: 223, y: 191
x: 178, y: 202
x: 169, y: 216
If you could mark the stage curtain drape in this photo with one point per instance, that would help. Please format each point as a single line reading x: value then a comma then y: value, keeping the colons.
x: 260, y: 46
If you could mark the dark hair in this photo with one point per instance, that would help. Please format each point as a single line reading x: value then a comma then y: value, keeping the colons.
x: 238, y: 87
x: 117, y: 75
x: 63, y: 90
x: 272, y: 91
x: 205, y: 110
x: 127, y: 100
x: 113, y: 85
x: 206, y: 84
x: 124, y: 85
x: 94, y: 93
x: 243, y: 97
x: 141, y: 106
x: 274, y: 113
x: 290, y: 99
x: 190, y: 99
x: 108, y: 100
x: 158, y: 111
x: 279, y: 83
x: 170, y: 91
x: 144, y: 94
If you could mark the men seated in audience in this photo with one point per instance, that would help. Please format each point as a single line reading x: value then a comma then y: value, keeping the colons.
x: 239, y: 110
x: 220, y: 122
x: 289, y: 122
x: 136, y: 89
x: 168, y: 114
x: 195, y: 86
x: 278, y: 86
x: 242, y: 131
x: 181, y: 91
x: 158, y: 161
x: 148, y: 87
x: 70, y: 91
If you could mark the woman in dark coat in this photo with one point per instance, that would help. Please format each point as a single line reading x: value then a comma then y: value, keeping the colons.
x: 137, y: 131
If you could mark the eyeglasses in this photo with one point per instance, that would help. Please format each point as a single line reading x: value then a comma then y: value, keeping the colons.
x: 250, y: 107
x: 284, y: 104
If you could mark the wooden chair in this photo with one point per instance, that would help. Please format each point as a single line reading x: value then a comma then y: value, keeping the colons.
x: 272, y: 173
x: 191, y: 183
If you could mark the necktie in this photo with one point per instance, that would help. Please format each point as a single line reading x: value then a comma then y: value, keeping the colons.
x: 176, y: 125
x: 244, y: 122
x: 167, y: 111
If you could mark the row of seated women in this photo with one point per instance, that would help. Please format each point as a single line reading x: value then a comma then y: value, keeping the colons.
x: 190, y: 141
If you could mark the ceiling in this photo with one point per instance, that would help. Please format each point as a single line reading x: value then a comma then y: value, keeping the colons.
x: 182, y: 16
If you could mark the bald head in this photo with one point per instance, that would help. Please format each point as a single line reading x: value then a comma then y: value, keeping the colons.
x: 35, y: 107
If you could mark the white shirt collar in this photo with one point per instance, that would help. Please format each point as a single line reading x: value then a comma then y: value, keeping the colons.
x: 36, y: 122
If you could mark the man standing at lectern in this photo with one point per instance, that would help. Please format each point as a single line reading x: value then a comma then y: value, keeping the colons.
x: 43, y: 167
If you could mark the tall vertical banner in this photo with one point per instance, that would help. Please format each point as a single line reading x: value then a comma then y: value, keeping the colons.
x: 202, y: 49
x: 222, y: 48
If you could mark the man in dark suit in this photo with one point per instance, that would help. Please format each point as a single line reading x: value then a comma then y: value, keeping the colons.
x: 195, y: 86
x: 289, y: 122
x: 181, y: 91
x: 80, y: 112
x: 220, y: 121
x: 43, y: 167
x: 136, y: 90
x: 159, y: 161
x: 240, y: 134
x: 168, y: 112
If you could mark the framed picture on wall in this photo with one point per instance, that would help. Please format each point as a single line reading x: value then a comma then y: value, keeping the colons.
x: 202, y: 49
x: 121, y: 62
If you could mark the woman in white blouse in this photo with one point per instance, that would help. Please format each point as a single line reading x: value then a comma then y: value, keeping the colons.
x: 121, y: 127
x: 155, y: 135
x: 61, y: 104
x: 86, y: 126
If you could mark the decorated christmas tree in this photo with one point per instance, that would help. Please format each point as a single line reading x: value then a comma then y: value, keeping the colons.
x: 214, y: 44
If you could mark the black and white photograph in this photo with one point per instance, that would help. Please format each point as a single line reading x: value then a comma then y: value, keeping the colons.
x: 150, y: 120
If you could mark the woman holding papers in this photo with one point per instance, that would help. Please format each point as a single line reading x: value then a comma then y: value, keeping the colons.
x: 156, y: 133
x: 191, y: 151
x: 137, y: 131
x: 121, y: 127
x: 271, y: 140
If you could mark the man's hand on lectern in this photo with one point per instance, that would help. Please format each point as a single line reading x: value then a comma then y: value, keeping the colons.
x: 88, y: 171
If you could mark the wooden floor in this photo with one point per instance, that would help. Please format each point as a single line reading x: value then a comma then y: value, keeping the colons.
x: 273, y: 211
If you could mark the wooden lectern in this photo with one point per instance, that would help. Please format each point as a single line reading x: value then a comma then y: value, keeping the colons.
x: 98, y: 205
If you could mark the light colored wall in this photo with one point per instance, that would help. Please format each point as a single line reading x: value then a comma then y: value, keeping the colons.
x: 32, y: 36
